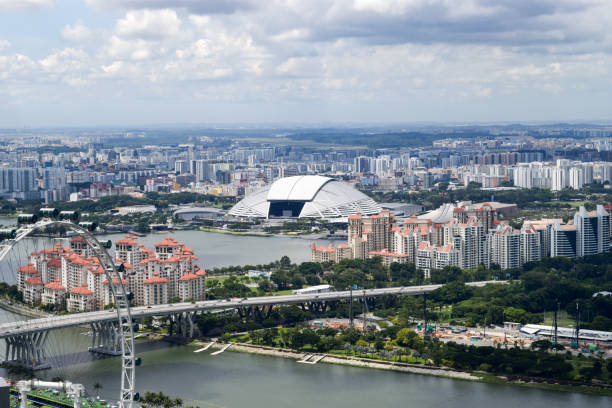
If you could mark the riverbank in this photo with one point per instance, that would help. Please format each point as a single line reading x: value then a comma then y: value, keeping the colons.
x: 227, y: 232
x: 20, y: 309
x: 443, y: 372
x: 349, y: 360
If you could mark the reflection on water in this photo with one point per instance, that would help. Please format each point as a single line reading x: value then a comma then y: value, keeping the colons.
x: 243, y: 380
x: 212, y: 249
x: 215, y: 250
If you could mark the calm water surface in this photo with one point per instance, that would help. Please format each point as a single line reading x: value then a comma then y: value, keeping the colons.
x: 235, y: 380
x: 217, y: 250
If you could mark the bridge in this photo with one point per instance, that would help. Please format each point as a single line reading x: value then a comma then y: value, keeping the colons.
x: 25, y: 340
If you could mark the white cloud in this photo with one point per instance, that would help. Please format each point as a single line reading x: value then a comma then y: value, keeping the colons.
x: 194, y: 6
x: 77, y: 33
x: 137, y: 49
x: 149, y: 24
x: 352, y: 52
x: 66, y: 60
x: 17, y: 5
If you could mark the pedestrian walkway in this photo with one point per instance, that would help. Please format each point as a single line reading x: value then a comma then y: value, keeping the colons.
x: 311, y: 358
x: 205, y: 347
x: 222, y: 350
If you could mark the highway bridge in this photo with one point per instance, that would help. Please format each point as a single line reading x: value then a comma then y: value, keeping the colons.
x: 25, y: 340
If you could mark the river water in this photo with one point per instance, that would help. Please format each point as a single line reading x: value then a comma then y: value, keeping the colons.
x: 235, y: 380
x: 217, y: 250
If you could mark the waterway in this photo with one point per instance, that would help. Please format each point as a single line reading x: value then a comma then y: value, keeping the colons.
x: 216, y: 249
x: 234, y: 380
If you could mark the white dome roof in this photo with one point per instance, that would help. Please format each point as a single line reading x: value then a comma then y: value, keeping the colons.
x: 305, y: 197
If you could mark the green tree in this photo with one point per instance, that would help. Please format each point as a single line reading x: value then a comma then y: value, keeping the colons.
x: 285, y: 262
x: 406, y: 337
x: 601, y: 323
x: 515, y: 314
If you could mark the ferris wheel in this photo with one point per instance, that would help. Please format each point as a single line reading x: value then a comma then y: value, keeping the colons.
x: 39, y: 234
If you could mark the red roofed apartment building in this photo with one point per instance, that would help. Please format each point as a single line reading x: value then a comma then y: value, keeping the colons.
x: 465, y: 235
x: 71, y: 277
x: 156, y: 290
x: 80, y: 299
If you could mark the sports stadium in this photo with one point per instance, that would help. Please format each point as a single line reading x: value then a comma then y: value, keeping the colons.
x: 305, y: 197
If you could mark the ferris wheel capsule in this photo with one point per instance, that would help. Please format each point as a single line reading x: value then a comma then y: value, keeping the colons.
x: 27, y: 218
x: 89, y: 226
x: 69, y: 216
x: 8, y: 233
x: 48, y: 212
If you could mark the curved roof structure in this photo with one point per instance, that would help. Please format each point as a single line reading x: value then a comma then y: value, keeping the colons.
x: 440, y: 215
x: 305, y: 197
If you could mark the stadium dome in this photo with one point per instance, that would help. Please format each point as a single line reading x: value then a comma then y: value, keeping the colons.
x: 305, y: 197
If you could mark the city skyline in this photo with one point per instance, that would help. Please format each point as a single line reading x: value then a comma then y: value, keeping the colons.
x: 117, y: 63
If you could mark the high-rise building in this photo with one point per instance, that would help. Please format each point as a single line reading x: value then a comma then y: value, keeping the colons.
x: 19, y: 182
x: 375, y: 231
x: 560, y: 177
x: 593, y: 231
x: 181, y: 166
x: 576, y: 177
x: 563, y: 240
x: 506, y: 247
x: 361, y: 164
x: 531, y: 245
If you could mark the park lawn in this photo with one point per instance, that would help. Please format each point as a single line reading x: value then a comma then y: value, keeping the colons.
x: 561, y: 321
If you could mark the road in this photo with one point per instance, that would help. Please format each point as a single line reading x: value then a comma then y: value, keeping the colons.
x: 78, y: 319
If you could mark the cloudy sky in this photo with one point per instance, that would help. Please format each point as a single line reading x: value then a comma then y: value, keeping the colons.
x: 132, y: 62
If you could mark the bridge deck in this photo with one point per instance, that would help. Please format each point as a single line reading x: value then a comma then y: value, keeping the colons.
x: 59, y: 322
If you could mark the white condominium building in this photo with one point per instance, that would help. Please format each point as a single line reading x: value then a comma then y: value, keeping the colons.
x: 593, y: 231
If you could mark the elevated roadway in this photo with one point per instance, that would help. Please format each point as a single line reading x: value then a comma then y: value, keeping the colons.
x: 58, y: 322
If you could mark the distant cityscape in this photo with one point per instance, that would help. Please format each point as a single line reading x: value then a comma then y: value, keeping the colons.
x: 55, y: 166
x: 272, y: 182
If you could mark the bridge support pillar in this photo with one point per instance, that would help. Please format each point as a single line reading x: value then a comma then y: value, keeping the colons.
x: 182, y: 325
x: 27, y: 350
x: 105, y: 338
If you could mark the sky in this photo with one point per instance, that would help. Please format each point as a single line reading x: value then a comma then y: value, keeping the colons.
x: 157, y: 62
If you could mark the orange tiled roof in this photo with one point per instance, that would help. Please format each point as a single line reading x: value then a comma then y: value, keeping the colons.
x: 155, y: 279
x: 188, y: 277
x: 81, y: 290
x: 116, y: 281
x: 34, y: 281
x: 29, y: 268
x: 54, y: 286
